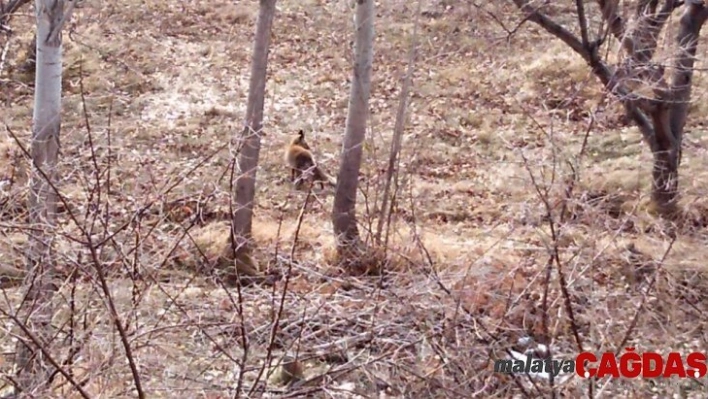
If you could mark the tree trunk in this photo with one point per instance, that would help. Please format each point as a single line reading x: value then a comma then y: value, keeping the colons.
x: 248, y: 158
x: 669, y: 118
x: 665, y: 182
x: 36, y: 311
x: 666, y: 162
x: 344, y: 209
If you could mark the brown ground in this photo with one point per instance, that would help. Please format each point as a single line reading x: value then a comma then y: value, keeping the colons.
x: 174, y: 76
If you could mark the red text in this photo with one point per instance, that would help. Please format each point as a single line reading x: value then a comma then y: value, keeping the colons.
x: 632, y: 364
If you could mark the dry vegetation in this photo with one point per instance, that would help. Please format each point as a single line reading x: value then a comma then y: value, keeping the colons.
x: 165, y: 85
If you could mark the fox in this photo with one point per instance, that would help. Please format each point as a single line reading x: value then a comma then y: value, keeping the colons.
x: 299, y: 158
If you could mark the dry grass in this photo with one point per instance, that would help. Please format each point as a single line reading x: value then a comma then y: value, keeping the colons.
x: 174, y: 76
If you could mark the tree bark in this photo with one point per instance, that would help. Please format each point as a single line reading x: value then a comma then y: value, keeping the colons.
x: 248, y: 157
x: 344, y: 219
x: 671, y: 111
x: 37, y: 311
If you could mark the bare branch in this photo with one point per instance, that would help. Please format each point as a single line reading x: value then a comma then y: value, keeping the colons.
x: 615, y: 23
x: 583, y: 22
x: 640, y: 44
x: 553, y: 28
x: 6, y: 11
x: 645, y: 36
x: 645, y: 7
x: 386, y: 209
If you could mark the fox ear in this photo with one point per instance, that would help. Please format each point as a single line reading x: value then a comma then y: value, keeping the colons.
x: 301, y: 133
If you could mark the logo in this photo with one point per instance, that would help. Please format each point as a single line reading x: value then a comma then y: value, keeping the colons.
x: 630, y: 364
x: 645, y: 365
x: 531, y: 365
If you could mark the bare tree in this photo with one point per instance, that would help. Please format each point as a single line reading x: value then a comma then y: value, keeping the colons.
x: 661, y: 117
x: 344, y: 218
x: 248, y: 158
x: 37, y: 311
x: 397, y: 140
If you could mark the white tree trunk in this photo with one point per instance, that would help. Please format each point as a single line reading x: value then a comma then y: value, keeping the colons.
x: 248, y: 158
x: 344, y: 208
x: 37, y: 310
